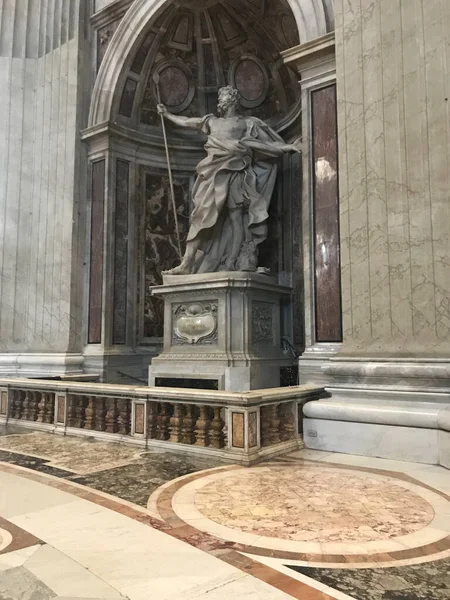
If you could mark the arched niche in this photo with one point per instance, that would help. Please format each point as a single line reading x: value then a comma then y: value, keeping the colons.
x: 313, y: 19
x: 196, y: 46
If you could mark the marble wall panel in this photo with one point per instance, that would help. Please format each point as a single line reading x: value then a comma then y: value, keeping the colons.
x: 394, y: 130
x: 159, y: 251
x: 121, y: 252
x: 96, y: 252
x: 326, y: 216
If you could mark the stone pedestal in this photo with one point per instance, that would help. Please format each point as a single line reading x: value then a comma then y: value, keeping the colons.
x: 221, y: 331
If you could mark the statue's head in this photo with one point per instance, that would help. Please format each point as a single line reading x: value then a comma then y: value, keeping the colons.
x: 228, y: 96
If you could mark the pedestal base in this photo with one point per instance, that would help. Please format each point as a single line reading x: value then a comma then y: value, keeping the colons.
x: 221, y: 331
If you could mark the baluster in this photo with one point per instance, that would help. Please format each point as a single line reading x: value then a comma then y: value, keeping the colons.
x: 287, y: 426
x: 90, y: 415
x: 152, y: 414
x: 188, y: 431
x: 202, y: 427
x: 80, y: 412
x: 265, y: 425
x: 18, y: 401
x: 31, y: 413
x: 163, y: 421
x: 111, y: 415
x: 100, y: 414
x: 217, y: 436
x: 51, y: 407
x: 176, y: 424
x: 274, y: 424
x: 72, y: 417
x: 124, y: 418
x: 25, y: 403
x: 43, y: 408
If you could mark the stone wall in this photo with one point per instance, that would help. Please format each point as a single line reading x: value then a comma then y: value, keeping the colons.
x: 393, y: 61
x: 39, y: 150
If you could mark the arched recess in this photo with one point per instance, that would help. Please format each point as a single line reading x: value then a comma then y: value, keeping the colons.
x: 314, y: 18
x: 131, y: 220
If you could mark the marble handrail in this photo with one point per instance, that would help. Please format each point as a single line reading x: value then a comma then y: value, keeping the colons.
x: 242, y: 427
x: 254, y: 398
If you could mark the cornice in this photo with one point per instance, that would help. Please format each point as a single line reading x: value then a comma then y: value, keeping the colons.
x: 310, y: 53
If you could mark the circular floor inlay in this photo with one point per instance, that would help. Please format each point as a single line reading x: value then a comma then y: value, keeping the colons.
x: 313, y: 505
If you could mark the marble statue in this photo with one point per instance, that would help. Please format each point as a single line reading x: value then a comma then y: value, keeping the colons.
x: 233, y: 189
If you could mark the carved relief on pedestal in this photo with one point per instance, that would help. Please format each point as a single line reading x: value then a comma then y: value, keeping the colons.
x: 262, y: 323
x: 194, y: 323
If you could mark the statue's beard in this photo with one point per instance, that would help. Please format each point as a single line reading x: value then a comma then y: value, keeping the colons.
x: 222, y: 107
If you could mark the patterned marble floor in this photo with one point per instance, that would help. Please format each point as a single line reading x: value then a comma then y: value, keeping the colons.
x: 312, y: 525
x: 123, y: 471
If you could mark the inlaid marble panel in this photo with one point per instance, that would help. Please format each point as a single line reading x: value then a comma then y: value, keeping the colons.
x: 252, y: 429
x: 60, y: 409
x: 96, y: 252
x: 3, y: 402
x: 159, y: 250
x: 128, y: 96
x: 139, y: 418
x: 238, y: 430
x: 326, y: 216
x: 121, y: 252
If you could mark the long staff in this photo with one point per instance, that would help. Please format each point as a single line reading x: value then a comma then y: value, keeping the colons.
x: 172, y: 191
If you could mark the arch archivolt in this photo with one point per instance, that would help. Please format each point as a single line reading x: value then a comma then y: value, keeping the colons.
x: 314, y: 18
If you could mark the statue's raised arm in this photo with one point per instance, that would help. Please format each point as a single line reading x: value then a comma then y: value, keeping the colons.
x: 189, y: 122
x: 232, y: 193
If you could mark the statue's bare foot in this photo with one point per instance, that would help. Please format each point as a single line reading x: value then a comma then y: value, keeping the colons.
x: 180, y: 270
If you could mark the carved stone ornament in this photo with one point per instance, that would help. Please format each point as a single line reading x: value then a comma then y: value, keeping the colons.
x: 195, y: 323
x: 262, y: 323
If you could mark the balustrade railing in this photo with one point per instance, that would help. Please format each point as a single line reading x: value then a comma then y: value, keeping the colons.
x: 239, y: 426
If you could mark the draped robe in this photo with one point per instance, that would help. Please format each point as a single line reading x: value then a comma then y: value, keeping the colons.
x: 236, y: 174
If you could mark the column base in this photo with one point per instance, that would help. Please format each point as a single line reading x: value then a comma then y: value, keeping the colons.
x: 312, y: 362
x: 45, y: 365
x: 409, y: 372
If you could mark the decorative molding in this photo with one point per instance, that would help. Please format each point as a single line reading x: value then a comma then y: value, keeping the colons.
x: 112, y: 12
x: 262, y: 323
x: 310, y: 54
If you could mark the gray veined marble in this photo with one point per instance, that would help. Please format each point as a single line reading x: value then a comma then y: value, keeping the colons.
x: 222, y: 327
x: 19, y: 584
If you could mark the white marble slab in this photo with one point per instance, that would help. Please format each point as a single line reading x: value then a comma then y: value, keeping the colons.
x: 384, y: 441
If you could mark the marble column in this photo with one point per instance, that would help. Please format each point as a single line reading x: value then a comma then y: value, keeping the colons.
x: 392, y: 61
x: 40, y: 266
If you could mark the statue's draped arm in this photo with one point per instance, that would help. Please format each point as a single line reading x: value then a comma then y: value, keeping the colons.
x: 260, y: 137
